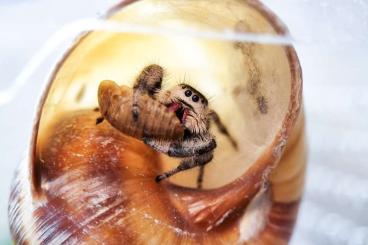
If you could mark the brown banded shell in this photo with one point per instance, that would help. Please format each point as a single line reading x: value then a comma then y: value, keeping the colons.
x: 155, y: 120
x: 90, y: 184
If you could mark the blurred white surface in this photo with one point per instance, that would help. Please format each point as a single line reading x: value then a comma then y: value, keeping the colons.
x: 332, y: 44
x: 25, y: 27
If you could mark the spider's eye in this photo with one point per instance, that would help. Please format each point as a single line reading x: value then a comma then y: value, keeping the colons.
x: 195, y: 98
x: 188, y: 93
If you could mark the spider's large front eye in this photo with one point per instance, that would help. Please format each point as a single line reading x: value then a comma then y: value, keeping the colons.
x: 188, y: 93
x: 195, y: 98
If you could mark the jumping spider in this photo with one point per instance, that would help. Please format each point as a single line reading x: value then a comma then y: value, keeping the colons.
x: 191, y: 107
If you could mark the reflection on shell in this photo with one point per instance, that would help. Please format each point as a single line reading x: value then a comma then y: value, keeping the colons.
x: 88, y: 184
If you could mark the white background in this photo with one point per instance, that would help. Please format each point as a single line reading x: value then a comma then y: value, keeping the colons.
x: 332, y: 44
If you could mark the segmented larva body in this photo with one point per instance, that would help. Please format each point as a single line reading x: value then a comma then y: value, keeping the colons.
x: 155, y: 120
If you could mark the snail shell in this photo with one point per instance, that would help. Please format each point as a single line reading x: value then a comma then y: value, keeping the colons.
x: 88, y: 184
x: 116, y: 105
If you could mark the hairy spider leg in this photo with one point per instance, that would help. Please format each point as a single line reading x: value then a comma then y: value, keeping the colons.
x: 182, y: 148
x: 222, y: 128
x: 148, y: 82
x: 189, y: 163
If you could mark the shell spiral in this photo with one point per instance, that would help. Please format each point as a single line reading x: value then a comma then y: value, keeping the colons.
x: 83, y: 183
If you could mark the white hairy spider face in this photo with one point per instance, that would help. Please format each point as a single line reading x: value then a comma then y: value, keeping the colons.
x: 190, y: 106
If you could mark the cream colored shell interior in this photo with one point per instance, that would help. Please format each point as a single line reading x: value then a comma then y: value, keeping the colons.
x: 247, y: 84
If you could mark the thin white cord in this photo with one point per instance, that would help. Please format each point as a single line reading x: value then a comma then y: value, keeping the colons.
x: 73, y: 29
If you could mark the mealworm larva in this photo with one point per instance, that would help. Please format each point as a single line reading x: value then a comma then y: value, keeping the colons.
x: 156, y: 120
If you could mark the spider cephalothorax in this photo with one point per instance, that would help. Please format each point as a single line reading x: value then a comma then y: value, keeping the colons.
x: 197, y: 146
x: 190, y: 106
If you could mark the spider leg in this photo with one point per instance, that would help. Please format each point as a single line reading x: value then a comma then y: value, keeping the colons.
x: 148, y: 82
x: 135, y: 106
x: 200, y: 176
x: 191, y: 147
x: 159, y: 145
x: 99, y: 120
x: 182, y: 148
x: 188, y: 163
x: 222, y: 128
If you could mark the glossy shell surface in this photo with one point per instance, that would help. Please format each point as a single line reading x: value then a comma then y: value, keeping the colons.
x: 88, y: 184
